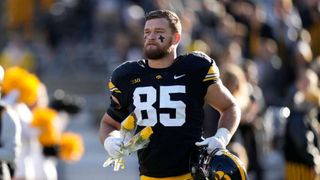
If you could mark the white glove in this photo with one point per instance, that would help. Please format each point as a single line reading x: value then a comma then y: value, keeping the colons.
x: 113, y: 145
x: 219, y: 140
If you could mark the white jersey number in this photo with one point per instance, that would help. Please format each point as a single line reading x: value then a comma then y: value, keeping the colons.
x: 150, y: 97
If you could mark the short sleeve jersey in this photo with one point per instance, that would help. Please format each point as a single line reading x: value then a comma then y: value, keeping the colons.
x: 170, y: 100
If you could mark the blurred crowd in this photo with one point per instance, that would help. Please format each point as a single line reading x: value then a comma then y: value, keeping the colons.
x: 34, y: 134
x: 268, y: 52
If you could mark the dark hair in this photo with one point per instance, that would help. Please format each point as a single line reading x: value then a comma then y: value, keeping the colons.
x: 172, y: 18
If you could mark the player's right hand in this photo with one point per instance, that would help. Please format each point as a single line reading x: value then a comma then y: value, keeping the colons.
x: 113, y: 146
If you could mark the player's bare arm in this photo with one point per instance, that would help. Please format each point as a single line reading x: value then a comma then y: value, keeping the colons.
x: 107, y: 125
x: 219, y: 97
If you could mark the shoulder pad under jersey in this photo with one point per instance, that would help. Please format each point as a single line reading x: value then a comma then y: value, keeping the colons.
x: 202, y: 61
x: 126, y: 70
x: 201, y: 55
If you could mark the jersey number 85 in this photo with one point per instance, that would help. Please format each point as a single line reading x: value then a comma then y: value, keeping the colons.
x: 146, y: 105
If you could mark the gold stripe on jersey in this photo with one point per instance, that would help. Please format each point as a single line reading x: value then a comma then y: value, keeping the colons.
x: 113, y: 88
x: 297, y: 171
x: 187, y: 176
x: 239, y: 166
x: 212, y: 74
x: 208, y: 79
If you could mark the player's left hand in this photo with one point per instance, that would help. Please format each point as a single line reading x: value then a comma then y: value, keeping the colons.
x: 212, y: 143
x: 219, y: 140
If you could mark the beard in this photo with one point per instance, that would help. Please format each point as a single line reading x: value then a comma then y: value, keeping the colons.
x: 157, y: 53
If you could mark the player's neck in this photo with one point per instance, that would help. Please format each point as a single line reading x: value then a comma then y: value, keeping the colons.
x: 163, y: 62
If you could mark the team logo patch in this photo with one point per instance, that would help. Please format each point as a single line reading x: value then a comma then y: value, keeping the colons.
x: 178, y: 76
x: 135, y: 81
x: 158, y: 77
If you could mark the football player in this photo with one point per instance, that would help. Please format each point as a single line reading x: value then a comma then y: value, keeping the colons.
x: 167, y: 92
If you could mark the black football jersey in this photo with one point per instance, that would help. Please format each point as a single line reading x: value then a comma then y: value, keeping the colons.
x: 170, y: 100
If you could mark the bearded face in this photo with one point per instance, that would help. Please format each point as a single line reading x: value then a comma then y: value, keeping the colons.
x: 158, y: 37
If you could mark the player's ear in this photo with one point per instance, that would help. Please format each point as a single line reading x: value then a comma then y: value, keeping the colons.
x: 176, y: 38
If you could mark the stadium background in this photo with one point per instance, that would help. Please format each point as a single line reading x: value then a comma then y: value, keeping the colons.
x: 73, y: 45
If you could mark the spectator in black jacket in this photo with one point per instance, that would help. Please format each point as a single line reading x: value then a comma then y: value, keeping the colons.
x: 302, y: 137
